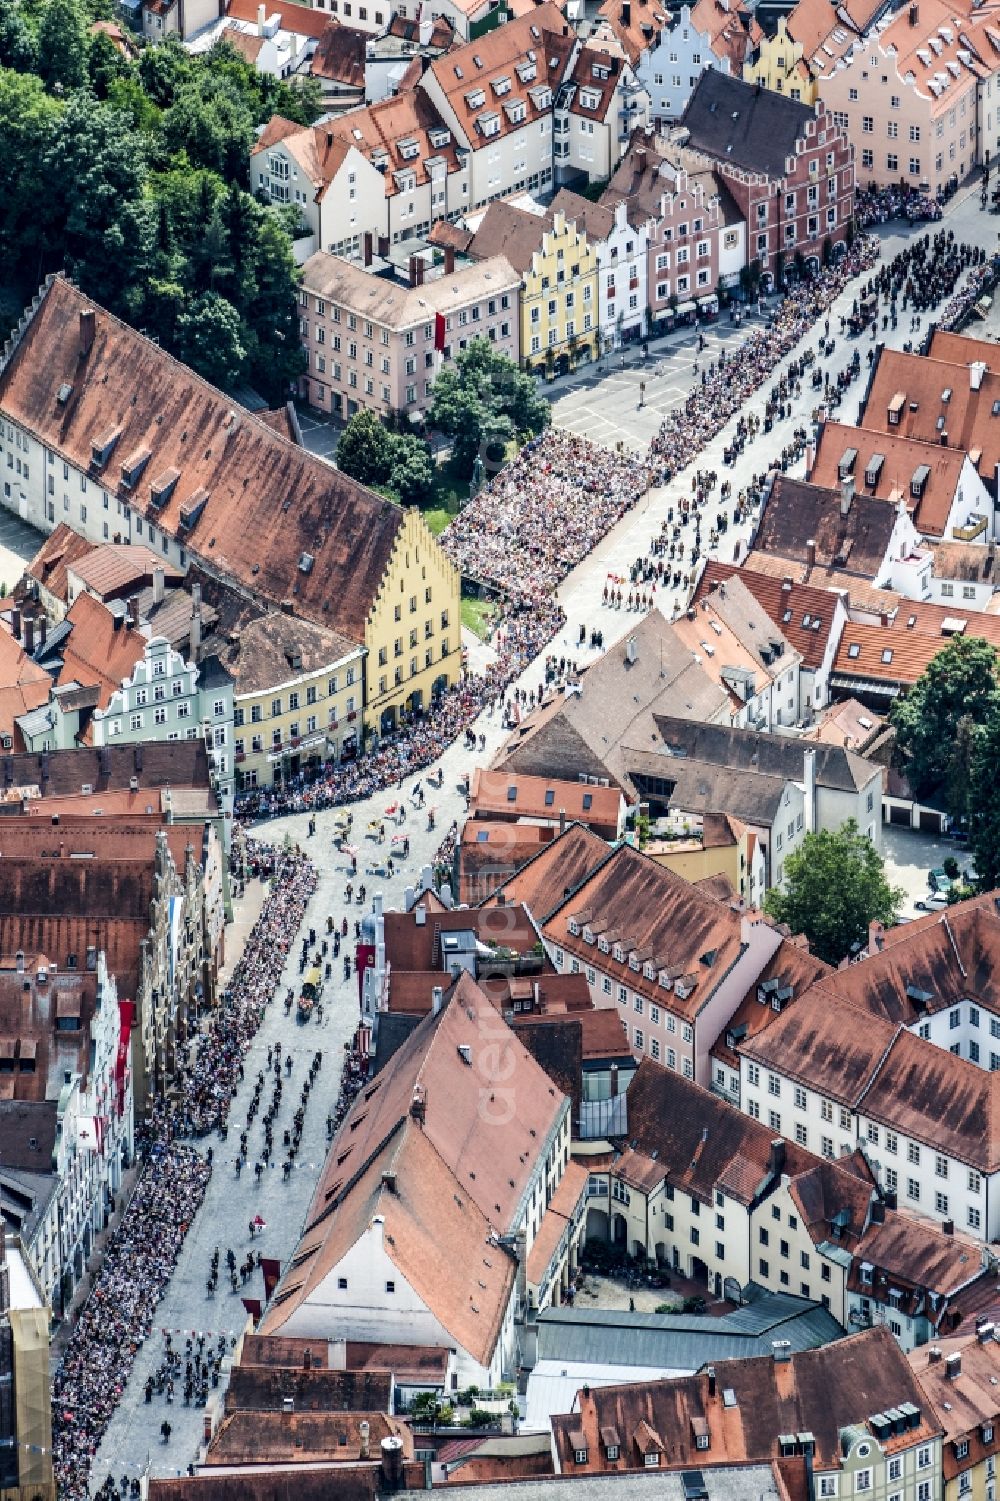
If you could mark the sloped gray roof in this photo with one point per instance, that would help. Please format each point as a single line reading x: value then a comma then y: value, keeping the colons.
x: 683, y: 1341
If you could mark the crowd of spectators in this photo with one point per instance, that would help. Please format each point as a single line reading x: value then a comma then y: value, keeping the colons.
x: 143, y: 1249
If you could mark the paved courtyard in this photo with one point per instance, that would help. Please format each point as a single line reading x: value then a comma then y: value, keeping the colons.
x: 18, y: 545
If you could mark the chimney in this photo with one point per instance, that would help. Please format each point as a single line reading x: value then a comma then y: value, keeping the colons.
x: 947, y: 1227
x: 15, y: 623
x: 20, y: 961
x: 984, y: 1333
x: 449, y: 259
x: 976, y: 372
x: 877, y: 1212
x: 159, y: 579
x: 418, y: 1104
x: 953, y: 1366
x: 846, y: 496
x: 614, y: 1080
x: 809, y: 789
x: 413, y: 264
x: 811, y: 553
x: 43, y: 629
x: 88, y: 324
x: 29, y: 635
x: 364, y: 1434
x: 944, y: 439
x: 389, y: 1181
x: 711, y: 1381
x: 194, y: 642
x: 631, y: 650
x: 562, y: 820
x: 307, y: 1359
x: 934, y: 1355
x: 776, y: 1159
x: 626, y: 14
x: 383, y: 246
x: 261, y: 19
x: 781, y: 1349
x: 132, y: 611
x: 368, y: 247
x: 420, y: 270
x: 437, y: 1000
x: 392, y: 1462
x: 914, y: 14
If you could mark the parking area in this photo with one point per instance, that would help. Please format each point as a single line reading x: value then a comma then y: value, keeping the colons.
x: 910, y: 855
x: 18, y: 545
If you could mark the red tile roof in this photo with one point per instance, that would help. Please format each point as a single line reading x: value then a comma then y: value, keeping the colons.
x: 915, y: 385
x: 904, y: 461
x: 324, y: 548
x: 803, y: 613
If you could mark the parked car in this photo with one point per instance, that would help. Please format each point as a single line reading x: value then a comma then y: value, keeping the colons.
x: 936, y: 902
x: 939, y: 879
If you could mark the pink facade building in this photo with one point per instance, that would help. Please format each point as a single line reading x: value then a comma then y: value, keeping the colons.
x: 376, y: 341
x: 789, y: 167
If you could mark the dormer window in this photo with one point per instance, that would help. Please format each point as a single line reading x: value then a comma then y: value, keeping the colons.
x: 619, y: 953
x: 501, y: 86
x: 475, y: 98
x: 439, y: 138
x: 602, y: 944
x: 574, y: 927
x: 133, y: 467
x: 588, y: 99
x: 588, y: 935
x: 633, y: 962
x: 408, y: 149
x: 649, y: 971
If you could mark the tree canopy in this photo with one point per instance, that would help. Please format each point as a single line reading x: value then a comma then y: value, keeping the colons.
x: 937, y: 722
x: 483, y: 402
x: 134, y: 176
x: 835, y: 885
x: 372, y: 453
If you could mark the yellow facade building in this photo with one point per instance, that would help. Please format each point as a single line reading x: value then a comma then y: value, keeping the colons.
x: 558, y: 268
x: 413, y: 634
x: 780, y: 64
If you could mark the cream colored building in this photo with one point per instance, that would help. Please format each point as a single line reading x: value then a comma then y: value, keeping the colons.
x: 909, y: 96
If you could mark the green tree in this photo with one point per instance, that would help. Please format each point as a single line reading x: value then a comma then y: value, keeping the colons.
x: 62, y: 45
x: 835, y: 885
x: 28, y: 121
x: 961, y: 682
x: 105, y: 64
x: 984, y: 805
x: 412, y: 473
x: 210, y: 121
x: 17, y: 43
x: 276, y: 356
x: 164, y: 69
x: 210, y: 338
x: 98, y: 221
x: 365, y: 450
x: 484, y: 401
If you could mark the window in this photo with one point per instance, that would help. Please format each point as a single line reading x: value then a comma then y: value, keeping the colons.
x: 913, y: 1153
x: 941, y: 1203
x: 913, y: 1189
x: 862, y: 1481
x: 975, y: 1182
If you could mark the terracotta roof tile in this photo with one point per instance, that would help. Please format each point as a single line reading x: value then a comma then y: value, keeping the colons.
x: 819, y: 1391
x: 531, y: 52
x: 967, y: 414
x: 60, y: 548
x: 231, y: 464
x: 797, y: 513
x: 905, y: 461
x: 805, y: 615
x: 544, y: 883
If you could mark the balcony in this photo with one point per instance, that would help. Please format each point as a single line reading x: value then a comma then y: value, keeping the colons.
x: 974, y: 528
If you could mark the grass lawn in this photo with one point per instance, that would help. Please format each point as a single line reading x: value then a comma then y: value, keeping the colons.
x: 478, y: 616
